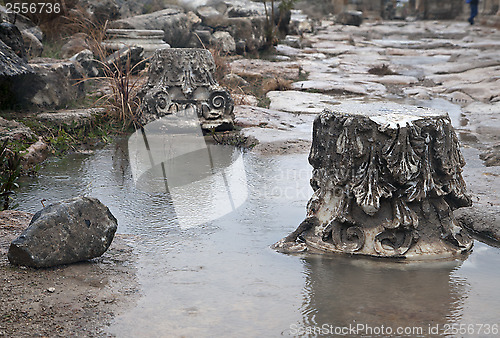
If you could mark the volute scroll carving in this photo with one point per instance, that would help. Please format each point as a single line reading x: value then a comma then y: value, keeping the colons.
x: 183, y: 78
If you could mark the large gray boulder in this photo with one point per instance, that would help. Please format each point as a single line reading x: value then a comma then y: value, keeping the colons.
x: 67, y: 232
x: 53, y: 85
x: 12, y: 37
x: 11, y: 64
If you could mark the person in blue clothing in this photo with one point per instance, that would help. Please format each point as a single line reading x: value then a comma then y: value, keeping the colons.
x: 473, y: 10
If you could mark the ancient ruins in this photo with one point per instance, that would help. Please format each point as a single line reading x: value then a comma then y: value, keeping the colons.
x: 386, y: 179
x: 183, y: 78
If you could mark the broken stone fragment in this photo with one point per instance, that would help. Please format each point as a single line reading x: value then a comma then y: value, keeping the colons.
x: 483, y: 222
x: 70, y: 231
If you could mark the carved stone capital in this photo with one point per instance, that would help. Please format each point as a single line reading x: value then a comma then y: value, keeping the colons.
x: 181, y: 79
x: 386, y: 179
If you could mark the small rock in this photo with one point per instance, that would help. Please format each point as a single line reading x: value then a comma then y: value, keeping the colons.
x: 235, y: 80
x: 36, y: 153
x: 224, y: 42
x: 351, y: 18
x: 101, y: 11
x: 207, y: 13
x: 70, y: 231
x: 281, y: 58
x: 293, y: 41
x: 193, y: 18
x: 492, y: 156
x: 34, y: 47
x: 90, y: 66
x: 75, y: 44
x: 51, y: 290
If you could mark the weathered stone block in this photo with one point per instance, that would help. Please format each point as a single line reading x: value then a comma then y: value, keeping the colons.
x: 73, y: 118
x: 386, y: 179
x: 66, y: 232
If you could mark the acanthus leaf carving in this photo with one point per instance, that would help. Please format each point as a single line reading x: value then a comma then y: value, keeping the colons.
x: 401, y: 159
x: 447, y: 150
x: 369, y: 187
x: 402, y: 216
x: 424, y: 185
x: 451, y: 232
x: 185, y: 75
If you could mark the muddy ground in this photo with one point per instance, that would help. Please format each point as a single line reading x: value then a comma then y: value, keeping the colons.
x: 74, y: 300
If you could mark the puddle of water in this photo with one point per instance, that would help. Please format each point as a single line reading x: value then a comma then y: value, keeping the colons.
x: 221, y: 278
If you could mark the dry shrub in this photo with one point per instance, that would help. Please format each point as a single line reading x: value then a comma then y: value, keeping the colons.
x: 382, y: 70
x: 222, y: 67
x: 121, y: 100
x: 277, y: 83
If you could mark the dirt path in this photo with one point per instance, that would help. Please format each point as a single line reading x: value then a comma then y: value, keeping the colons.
x: 73, y: 300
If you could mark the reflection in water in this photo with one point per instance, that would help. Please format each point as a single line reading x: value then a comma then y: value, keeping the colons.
x: 343, y: 291
x: 204, y: 182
